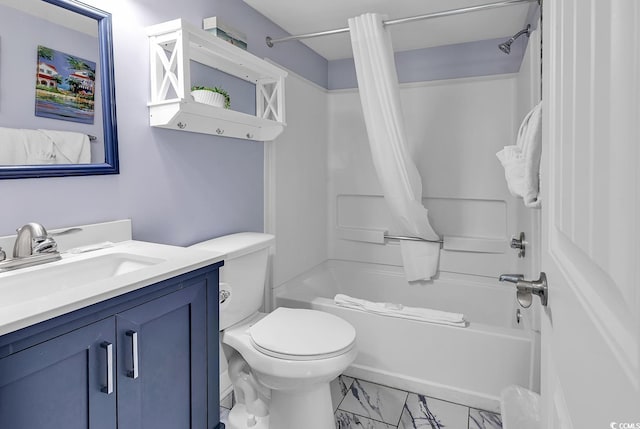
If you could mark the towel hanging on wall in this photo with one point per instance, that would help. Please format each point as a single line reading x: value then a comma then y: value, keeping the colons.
x: 396, y: 170
x: 521, y: 161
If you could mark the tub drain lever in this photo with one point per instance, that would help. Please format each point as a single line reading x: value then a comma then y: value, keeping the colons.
x: 526, y: 288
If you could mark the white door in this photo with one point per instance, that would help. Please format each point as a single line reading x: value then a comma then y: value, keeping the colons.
x: 591, y: 214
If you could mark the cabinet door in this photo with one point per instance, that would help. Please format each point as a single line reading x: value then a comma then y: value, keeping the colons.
x: 62, y: 383
x: 162, y: 359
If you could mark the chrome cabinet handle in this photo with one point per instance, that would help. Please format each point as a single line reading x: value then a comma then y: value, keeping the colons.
x: 133, y: 373
x: 108, y: 389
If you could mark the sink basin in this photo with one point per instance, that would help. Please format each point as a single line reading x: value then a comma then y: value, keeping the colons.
x: 34, y: 294
x: 71, y: 273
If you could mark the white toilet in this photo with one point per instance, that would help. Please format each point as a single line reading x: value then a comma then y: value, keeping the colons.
x: 292, y: 353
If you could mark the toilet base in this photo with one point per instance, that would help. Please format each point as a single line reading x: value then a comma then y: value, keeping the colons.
x: 239, y: 418
x: 290, y: 409
x: 306, y: 408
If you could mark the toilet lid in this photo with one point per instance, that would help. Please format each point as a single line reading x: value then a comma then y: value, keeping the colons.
x: 300, y: 334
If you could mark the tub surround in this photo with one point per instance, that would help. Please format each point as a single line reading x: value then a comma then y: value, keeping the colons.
x: 473, y: 203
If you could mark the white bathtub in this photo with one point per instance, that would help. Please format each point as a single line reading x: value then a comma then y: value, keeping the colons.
x: 468, y: 365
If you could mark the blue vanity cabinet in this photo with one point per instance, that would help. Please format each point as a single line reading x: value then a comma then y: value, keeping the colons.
x: 62, y: 382
x: 141, y: 360
x: 162, y: 365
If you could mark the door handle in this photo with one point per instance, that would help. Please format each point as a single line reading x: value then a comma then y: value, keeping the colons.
x: 525, y: 289
x: 108, y: 347
x: 133, y: 373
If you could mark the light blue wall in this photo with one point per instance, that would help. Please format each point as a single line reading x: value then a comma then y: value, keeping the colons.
x: 471, y: 59
x: 180, y: 187
x: 177, y: 187
x: 480, y: 58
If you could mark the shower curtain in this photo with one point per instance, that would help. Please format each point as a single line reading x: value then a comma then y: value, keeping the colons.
x: 396, y: 170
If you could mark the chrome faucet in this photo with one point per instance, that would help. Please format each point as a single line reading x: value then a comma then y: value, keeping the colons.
x: 525, y: 289
x: 33, y: 239
x: 33, y: 246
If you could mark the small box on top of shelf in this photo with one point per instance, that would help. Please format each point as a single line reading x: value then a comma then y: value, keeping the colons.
x: 215, y: 26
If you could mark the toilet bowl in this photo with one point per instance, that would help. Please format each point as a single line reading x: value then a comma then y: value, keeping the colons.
x: 294, y: 353
x: 296, y: 360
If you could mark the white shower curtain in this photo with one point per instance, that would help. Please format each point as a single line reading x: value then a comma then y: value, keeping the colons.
x: 396, y: 170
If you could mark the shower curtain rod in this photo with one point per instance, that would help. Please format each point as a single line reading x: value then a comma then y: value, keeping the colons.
x: 270, y: 42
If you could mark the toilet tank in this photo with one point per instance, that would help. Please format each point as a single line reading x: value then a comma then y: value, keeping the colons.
x: 244, y: 273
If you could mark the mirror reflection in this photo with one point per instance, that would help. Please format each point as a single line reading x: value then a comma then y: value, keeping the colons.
x: 56, y: 104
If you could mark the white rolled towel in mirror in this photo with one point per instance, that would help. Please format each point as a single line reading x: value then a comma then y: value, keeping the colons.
x: 37, y: 147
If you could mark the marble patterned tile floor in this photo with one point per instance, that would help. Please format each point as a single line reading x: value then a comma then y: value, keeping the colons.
x: 359, y: 404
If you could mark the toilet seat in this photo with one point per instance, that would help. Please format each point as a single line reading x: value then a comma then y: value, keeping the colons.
x: 286, y: 372
x: 301, y: 334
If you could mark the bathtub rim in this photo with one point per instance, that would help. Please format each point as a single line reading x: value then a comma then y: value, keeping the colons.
x: 528, y: 316
x: 283, y: 296
x: 455, y: 394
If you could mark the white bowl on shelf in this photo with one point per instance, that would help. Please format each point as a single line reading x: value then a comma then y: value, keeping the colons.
x: 208, y: 97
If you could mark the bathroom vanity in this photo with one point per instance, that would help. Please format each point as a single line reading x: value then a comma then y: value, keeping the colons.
x: 138, y: 349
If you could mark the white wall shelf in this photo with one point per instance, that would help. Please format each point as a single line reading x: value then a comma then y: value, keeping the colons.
x: 172, y: 45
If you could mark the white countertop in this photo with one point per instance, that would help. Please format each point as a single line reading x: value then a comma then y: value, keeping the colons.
x: 28, y: 296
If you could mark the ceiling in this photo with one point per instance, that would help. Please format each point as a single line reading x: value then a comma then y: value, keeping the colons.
x: 299, y: 17
x: 57, y: 15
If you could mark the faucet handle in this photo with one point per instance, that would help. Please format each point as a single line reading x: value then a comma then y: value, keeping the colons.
x: 44, y: 245
x: 3, y: 254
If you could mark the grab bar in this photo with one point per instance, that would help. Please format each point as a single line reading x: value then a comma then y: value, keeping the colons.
x: 403, y: 237
x: 448, y: 242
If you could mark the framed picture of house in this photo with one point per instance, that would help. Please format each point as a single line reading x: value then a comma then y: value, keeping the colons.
x: 65, y: 86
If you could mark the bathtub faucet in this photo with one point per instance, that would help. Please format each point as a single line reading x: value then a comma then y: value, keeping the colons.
x: 526, y: 288
x: 511, y: 278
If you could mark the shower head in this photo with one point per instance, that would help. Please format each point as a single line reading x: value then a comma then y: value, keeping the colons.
x: 506, y: 46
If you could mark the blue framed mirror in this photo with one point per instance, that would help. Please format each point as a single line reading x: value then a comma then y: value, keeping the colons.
x: 57, y: 90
